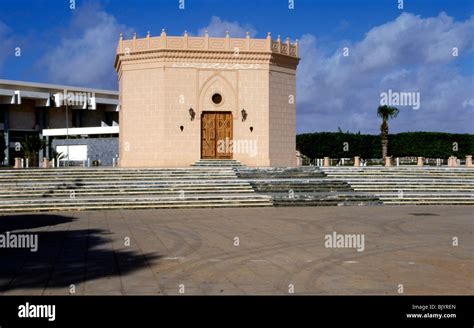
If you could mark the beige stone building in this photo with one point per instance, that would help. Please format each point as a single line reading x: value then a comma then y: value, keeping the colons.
x: 189, y: 98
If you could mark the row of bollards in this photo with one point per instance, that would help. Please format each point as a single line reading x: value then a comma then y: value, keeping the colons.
x: 22, y: 163
x: 452, y: 161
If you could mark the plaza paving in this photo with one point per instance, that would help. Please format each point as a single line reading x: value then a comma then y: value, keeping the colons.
x: 193, y: 251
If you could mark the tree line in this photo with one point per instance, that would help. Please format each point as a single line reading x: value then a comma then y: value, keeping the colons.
x: 345, y: 144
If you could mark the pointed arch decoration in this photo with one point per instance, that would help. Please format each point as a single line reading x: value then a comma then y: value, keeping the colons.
x: 217, y: 84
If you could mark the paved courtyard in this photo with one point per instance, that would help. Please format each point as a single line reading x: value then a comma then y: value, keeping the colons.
x: 241, y: 251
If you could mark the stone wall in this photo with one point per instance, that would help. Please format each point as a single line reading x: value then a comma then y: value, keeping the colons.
x: 282, y: 125
x: 103, y: 149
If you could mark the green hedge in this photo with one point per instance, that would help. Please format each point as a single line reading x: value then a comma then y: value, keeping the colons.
x: 426, y: 144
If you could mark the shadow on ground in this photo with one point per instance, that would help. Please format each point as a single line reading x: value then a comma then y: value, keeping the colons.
x: 64, y: 256
x: 77, y: 184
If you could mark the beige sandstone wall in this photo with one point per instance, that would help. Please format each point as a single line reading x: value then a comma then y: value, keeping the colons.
x: 282, y: 113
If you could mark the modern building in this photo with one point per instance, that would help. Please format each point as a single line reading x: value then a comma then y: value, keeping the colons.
x: 82, y: 123
x: 188, y: 98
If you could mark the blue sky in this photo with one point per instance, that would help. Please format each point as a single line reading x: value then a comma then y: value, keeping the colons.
x: 406, y: 50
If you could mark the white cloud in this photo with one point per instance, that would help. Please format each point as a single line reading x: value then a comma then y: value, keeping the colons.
x: 218, y: 28
x: 86, y: 58
x: 407, y: 54
x: 468, y: 103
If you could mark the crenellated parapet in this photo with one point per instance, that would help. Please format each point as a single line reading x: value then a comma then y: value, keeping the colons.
x: 205, y: 47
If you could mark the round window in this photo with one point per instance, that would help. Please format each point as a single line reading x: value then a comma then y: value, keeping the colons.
x: 216, y: 98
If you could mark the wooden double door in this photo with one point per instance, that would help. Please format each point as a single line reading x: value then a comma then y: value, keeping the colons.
x: 216, y: 135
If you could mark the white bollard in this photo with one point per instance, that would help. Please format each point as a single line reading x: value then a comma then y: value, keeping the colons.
x: 27, y: 162
x: 113, y: 162
x: 326, y: 161
x: 419, y: 161
x: 88, y: 162
x: 398, y: 161
x: 356, y: 161
x: 22, y: 163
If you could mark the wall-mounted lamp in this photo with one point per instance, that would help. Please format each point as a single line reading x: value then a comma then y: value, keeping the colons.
x: 251, y: 129
x: 192, y: 113
x: 244, y: 115
x: 181, y: 128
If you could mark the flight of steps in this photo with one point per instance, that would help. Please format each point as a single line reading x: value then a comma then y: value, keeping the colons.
x: 217, y: 163
x: 405, y: 185
x: 109, y: 188
x: 303, y: 186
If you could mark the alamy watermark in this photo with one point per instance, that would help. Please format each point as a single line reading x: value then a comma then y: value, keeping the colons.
x: 9, y: 240
x: 28, y: 310
x: 336, y: 240
x: 243, y: 146
x: 75, y: 98
x: 393, y: 98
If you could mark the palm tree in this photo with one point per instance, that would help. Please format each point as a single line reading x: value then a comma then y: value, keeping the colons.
x: 386, y: 113
x: 31, y: 145
x: 57, y: 156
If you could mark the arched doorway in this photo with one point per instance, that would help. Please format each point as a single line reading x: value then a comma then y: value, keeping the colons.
x: 216, y: 135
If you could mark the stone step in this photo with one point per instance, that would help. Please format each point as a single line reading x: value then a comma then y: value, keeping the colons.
x: 86, y: 193
x: 220, y: 200
x: 125, y: 187
x: 389, y: 173
x: 217, y: 163
x: 327, y: 202
x: 140, y: 199
x: 279, y: 173
x: 400, y: 175
x: 419, y: 185
x: 117, y: 174
x: 411, y: 184
x: 302, y: 189
x: 424, y: 197
x: 394, y: 168
x: 230, y: 186
x: 407, y: 182
x: 322, y: 196
x: 113, y: 171
x: 397, y: 191
x: 407, y: 187
x: 134, y: 205
x: 428, y: 202
x: 44, y: 190
x: 120, y: 185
